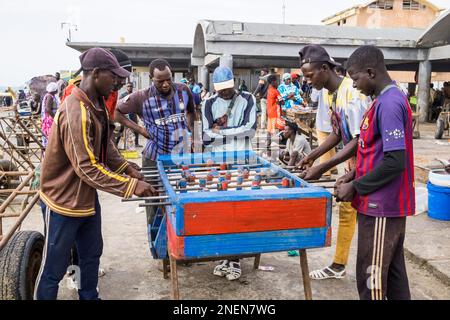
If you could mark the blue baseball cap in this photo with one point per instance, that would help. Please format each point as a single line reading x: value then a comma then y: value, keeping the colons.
x: 223, y: 78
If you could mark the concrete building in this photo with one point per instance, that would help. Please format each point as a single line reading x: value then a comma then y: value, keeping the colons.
x: 254, y: 45
x: 178, y: 55
x: 248, y: 47
x: 418, y: 14
x: 387, y: 14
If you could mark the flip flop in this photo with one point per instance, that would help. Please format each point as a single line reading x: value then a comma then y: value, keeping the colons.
x: 326, y: 273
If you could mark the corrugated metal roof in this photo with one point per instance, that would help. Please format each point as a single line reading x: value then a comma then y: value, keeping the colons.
x: 438, y: 34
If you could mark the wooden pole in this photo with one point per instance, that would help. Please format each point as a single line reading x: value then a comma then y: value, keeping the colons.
x: 36, y: 140
x: 165, y: 268
x: 257, y: 261
x: 305, y: 274
x: 174, y: 278
x: 19, y: 221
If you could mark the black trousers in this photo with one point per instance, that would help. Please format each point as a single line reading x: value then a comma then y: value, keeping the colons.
x: 380, y: 264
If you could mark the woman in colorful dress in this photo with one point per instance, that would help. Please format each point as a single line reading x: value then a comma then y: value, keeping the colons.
x: 50, y: 105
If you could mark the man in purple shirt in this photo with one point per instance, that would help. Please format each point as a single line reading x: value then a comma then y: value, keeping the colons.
x: 382, y: 185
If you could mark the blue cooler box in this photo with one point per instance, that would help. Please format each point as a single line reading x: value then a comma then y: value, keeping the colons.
x: 438, y: 202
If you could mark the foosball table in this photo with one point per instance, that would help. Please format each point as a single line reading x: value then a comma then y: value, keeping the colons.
x: 220, y: 206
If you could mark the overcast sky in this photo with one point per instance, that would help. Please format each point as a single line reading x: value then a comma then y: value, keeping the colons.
x: 33, y: 43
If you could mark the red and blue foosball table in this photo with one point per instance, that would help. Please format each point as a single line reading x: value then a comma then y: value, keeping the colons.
x: 219, y: 206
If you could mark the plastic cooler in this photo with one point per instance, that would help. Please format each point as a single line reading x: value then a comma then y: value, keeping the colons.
x: 438, y: 202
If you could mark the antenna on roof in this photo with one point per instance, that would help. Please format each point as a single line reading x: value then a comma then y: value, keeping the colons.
x: 70, y: 27
x: 283, y: 11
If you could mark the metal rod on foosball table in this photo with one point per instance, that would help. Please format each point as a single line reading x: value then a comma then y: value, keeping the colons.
x: 233, y: 174
x: 145, y: 198
x: 203, y: 167
x: 231, y: 186
x: 205, y: 170
x: 321, y: 180
x: 155, y: 204
x: 212, y: 164
x: 215, y: 181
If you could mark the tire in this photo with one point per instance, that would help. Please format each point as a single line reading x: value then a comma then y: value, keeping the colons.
x: 440, y: 126
x: 20, y: 261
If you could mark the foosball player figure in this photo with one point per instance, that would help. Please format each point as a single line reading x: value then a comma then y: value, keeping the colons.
x: 202, y: 183
x: 190, y: 178
x: 246, y: 173
x: 219, y: 183
x: 185, y: 173
x: 182, y: 184
x: 209, y: 162
x: 214, y: 172
x: 267, y: 174
x: 256, y: 183
x: 239, y: 181
x: 224, y: 185
x: 228, y: 176
x: 223, y: 166
x: 286, y: 182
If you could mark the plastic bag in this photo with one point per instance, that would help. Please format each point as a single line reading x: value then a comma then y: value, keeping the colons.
x: 421, y: 200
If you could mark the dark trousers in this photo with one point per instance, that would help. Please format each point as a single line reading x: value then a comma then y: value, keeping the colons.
x: 73, y: 258
x: 61, y: 233
x: 380, y: 264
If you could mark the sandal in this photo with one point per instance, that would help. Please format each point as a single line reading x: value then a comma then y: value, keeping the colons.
x: 101, y: 272
x: 222, y: 269
x: 293, y: 253
x: 326, y: 273
x: 234, y: 271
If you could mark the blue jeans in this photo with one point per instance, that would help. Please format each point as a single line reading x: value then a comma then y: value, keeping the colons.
x: 61, y: 233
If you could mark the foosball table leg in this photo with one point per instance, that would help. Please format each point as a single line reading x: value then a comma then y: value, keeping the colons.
x: 174, y: 278
x: 256, y: 262
x: 165, y: 263
x: 305, y: 274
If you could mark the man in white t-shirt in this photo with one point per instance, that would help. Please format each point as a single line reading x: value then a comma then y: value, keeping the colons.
x: 323, y: 127
x: 297, y: 147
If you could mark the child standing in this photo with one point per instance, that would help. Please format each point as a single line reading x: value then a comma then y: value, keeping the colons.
x: 382, y: 186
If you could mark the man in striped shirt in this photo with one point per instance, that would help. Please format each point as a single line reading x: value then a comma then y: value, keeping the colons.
x: 167, y: 109
x: 168, y: 112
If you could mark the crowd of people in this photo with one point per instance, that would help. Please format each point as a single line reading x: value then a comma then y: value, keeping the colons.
x: 361, y: 108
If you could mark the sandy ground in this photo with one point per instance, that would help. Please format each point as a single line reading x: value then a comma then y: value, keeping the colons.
x: 132, y: 273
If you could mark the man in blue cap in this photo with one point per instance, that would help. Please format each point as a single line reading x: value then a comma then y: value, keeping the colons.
x: 229, y: 124
x: 228, y: 117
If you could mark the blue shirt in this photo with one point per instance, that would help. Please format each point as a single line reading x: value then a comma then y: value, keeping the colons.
x: 285, y: 91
